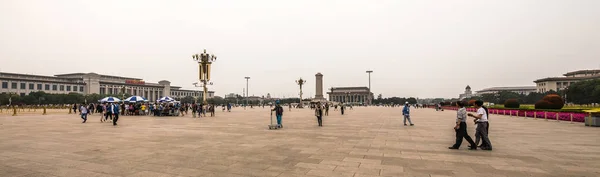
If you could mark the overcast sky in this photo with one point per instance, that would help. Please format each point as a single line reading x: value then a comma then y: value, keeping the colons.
x: 420, y: 48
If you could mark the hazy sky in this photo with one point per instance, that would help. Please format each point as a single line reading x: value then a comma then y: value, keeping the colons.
x: 421, y: 48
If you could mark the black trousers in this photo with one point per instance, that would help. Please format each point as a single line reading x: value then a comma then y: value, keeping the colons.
x: 320, y: 120
x: 115, y: 119
x: 461, y: 133
x: 108, y: 114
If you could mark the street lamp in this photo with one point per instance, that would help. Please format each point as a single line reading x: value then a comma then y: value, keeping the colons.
x: 369, y: 94
x: 247, y: 78
x: 300, y: 82
x: 204, y: 62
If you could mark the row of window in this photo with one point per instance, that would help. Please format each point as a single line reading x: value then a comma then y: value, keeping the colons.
x: 563, y: 84
x: 111, y: 91
x: 350, y: 98
x: 186, y: 93
x: 53, y: 87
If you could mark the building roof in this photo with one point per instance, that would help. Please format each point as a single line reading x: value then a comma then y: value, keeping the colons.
x: 531, y: 88
x: 592, y: 71
x: 348, y: 89
x: 101, y: 75
x: 566, y: 78
x: 468, y: 87
x: 28, y: 75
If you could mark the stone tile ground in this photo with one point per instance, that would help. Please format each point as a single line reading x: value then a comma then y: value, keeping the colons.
x: 366, y: 142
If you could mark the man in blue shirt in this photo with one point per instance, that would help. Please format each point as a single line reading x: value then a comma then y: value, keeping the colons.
x: 406, y: 113
x: 115, y: 110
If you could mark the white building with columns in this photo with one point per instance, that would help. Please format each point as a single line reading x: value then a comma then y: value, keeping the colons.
x: 91, y: 83
x: 355, y: 95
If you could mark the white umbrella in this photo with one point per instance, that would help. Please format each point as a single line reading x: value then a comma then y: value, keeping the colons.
x: 134, y: 99
x: 109, y: 99
x: 165, y: 99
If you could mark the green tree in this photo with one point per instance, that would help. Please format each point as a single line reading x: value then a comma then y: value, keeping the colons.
x: 187, y: 99
x: 584, y: 92
x: 217, y: 100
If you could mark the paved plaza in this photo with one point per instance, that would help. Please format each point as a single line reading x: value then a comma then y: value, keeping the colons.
x: 366, y: 142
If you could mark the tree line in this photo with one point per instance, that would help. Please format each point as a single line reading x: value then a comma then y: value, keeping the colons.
x: 394, y: 100
x: 583, y: 92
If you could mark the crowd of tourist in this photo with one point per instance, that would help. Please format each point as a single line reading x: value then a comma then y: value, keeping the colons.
x: 111, y: 111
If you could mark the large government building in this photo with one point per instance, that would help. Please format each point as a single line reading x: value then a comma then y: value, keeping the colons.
x: 90, y: 83
x: 525, y: 90
x: 560, y: 83
x: 356, y: 95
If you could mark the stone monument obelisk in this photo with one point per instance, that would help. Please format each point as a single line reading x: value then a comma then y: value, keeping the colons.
x: 319, y: 84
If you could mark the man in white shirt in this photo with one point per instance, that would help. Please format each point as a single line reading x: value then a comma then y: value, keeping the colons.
x: 482, y: 122
x: 83, y: 111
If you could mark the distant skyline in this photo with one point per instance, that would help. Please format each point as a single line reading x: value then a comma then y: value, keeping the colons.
x: 425, y: 48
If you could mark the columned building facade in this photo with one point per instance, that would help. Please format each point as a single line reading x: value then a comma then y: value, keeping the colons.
x: 562, y: 83
x: 355, y: 95
x: 91, y: 83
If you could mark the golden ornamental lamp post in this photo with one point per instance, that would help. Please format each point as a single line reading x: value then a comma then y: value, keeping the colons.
x: 204, y: 62
x: 301, y: 82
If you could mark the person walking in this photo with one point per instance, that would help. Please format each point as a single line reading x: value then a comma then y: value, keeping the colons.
x: 100, y: 108
x: 319, y: 114
x: 91, y: 109
x: 109, y: 112
x: 278, y: 113
x: 194, y: 110
x: 202, y: 110
x: 481, y: 132
x: 143, y: 109
x: 115, y: 110
x: 406, y: 114
x: 74, y: 108
x: 182, y: 110
x: 326, y: 109
x: 83, y: 111
x: 461, y: 128
x: 342, y: 107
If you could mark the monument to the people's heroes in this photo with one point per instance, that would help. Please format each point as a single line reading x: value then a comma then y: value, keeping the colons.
x: 319, y: 87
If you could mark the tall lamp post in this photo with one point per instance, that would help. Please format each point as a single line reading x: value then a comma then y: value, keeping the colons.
x: 247, y: 78
x: 203, y: 95
x: 369, y: 94
x: 204, y: 62
x: 300, y: 82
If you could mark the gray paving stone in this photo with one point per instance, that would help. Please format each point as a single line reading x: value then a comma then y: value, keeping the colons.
x: 366, y: 142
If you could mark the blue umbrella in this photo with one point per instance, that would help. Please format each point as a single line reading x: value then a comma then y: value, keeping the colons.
x: 134, y: 99
x: 109, y: 99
